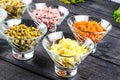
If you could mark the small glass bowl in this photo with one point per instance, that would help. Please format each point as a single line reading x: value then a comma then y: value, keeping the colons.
x: 15, y: 10
x: 22, y: 49
x: 62, y: 10
x: 85, y: 34
x: 64, y: 68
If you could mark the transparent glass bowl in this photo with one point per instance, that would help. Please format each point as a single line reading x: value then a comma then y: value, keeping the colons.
x: 15, y: 10
x: 85, y: 34
x: 64, y: 68
x: 62, y: 10
x: 3, y: 16
x: 22, y: 49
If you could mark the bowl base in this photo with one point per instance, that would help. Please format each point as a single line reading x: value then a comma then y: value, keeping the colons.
x: 23, y: 56
x: 65, y: 72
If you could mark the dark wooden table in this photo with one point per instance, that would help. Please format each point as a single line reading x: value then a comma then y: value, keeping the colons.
x: 104, y: 64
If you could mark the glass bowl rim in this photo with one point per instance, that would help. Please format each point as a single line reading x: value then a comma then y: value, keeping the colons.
x: 49, y: 5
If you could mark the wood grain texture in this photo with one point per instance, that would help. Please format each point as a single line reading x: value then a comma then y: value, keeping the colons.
x: 11, y: 72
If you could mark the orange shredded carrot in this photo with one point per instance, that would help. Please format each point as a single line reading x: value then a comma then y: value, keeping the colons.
x: 61, y: 73
x: 88, y: 29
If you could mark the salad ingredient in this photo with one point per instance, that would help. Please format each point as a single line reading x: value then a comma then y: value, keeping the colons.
x: 89, y: 29
x: 69, y: 52
x: 71, y: 1
x: 48, y: 15
x: 22, y: 37
x: 116, y: 15
x: 23, y: 32
x: 68, y: 47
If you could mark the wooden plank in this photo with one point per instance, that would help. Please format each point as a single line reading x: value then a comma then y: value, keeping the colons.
x: 11, y: 72
x: 108, y: 50
x: 97, y: 69
x: 90, y: 69
x: 102, y: 65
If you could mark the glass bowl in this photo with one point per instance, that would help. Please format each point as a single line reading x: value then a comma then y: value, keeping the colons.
x: 51, y: 15
x: 94, y: 36
x: 3, y: 16
x: 22, y: 48
x: 66, y: 65
x: 15, y: 9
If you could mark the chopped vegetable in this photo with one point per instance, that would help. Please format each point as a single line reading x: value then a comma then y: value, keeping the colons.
x: 23, y: 37
x: 68, y: 47
x: 71, y: 1
x: 69, y: 52
x: 22, y: 31
x: 116, y: 15
x: 89, y: 29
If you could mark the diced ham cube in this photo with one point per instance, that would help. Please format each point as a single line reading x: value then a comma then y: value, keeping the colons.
x: 47, y: 15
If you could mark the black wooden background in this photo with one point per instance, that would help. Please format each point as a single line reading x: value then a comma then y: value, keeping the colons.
x: 104, y: 64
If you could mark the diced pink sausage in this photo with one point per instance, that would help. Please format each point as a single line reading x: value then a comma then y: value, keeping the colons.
x: 47, y: 15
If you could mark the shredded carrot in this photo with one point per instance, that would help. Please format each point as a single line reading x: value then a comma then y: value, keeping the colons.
x: 89, y: 29
x: 61, y: 73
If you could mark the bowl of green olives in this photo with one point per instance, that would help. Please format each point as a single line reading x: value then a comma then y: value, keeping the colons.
x: 23, y: 39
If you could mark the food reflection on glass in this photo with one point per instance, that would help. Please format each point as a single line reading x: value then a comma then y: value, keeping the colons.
x: 14, y: 8
x: 22, y: 39
x: 89, y: 27
x: 66, y: 52
x: 50, y: 15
